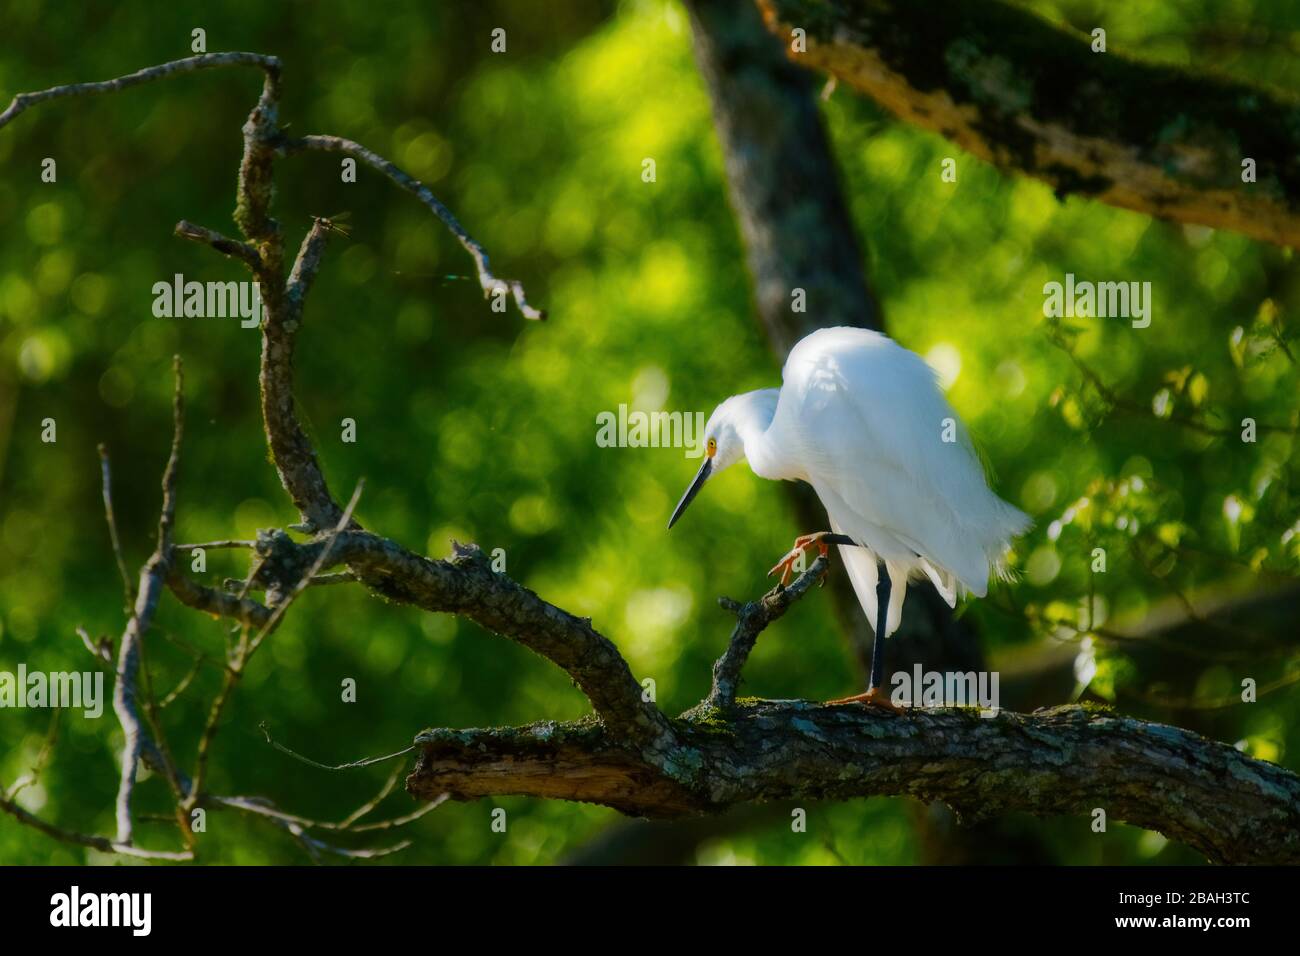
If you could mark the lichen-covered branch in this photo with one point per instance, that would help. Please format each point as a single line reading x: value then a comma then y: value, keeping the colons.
x: 223, y: 244
x: 291, y: 450
x: 243, y: 610
x: 467, y: 585
x: 751, y: 619
x: 725, y: 752
x: 1069, y: 760
x: 1015, y: 90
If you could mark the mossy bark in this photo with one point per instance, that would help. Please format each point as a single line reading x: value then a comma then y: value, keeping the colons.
x: 1035, y: 99
x: 1069, y: 760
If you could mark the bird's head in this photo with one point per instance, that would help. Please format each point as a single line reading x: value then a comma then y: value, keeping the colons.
x: 723, y: 446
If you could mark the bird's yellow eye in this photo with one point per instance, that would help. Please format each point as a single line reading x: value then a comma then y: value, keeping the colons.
x: 712, y: 448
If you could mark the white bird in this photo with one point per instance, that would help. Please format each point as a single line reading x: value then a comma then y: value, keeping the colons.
x: 862, y: 420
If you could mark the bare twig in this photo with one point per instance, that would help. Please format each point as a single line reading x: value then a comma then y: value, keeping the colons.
x: 390, y: 784
x: 101, y: 650
x: 181, y: 687
x: 291, y: 450
x: 351, y: 765
x: 307, y: 263
x: 219, y: 603
x: 106, y: 483
x: 42, y: 757
x: 269, y: 64
x: 152, y: 576
x: 164, y: 755
x: 228, y: 681
x: 226, y: 246
x: 213, y: 545
x: 104, y: 844
x: 491, y: 284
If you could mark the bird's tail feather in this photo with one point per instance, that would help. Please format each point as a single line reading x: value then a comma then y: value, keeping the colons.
x: 944, y: 582
x: 1013, y: 523
x: 863, y: 573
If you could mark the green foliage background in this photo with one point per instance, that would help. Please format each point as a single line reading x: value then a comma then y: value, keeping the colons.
x: 477, y: 426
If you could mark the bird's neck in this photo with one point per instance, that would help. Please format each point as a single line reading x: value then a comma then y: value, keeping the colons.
x: 753, y: 424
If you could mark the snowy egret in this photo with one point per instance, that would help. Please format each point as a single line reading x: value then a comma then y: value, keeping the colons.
x: 862, y: 420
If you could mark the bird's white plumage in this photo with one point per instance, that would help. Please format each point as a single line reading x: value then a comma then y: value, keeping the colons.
x: 863, y: 420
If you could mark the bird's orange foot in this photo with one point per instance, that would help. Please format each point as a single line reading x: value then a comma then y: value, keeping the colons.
x: 876, y: 697
x: 801, y: 544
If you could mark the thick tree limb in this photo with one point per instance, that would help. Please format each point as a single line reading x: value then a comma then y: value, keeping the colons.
x: 1017, y: 91
x: 726, y: 752
x: 467, y: 585
x: 1064, y: 761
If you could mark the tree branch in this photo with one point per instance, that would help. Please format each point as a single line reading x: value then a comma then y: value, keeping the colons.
x: 725, y: 752
x: 103, y: 844
x: 223, y: 244
x: 152, y: 576
x: 489, y: 283
x: 1015, y: 90
x: 106, y: 492
x: 268, y: 64
x: 282, y: 568
x: 467, y: 585
x: 219, y: 603
x: 1067, y: 760
x: 751, y: 619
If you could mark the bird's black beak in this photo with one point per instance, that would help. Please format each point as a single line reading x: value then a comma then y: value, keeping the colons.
x: 701, y: 477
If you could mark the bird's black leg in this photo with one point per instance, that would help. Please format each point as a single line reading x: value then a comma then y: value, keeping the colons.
x: 876, y: 695
x: 883, y: 585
